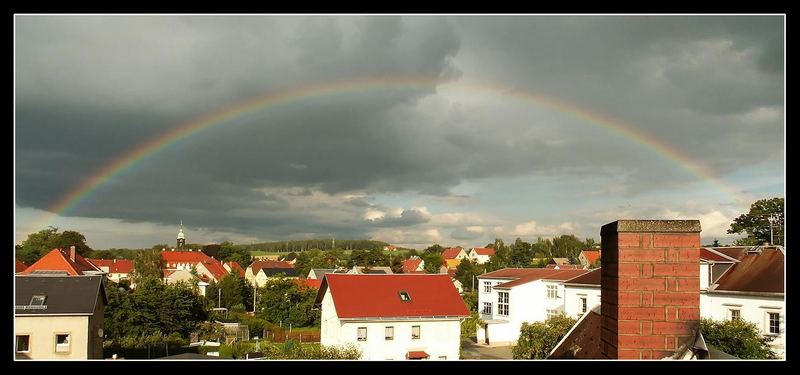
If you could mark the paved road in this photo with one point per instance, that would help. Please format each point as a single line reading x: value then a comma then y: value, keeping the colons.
x: 474, y: 351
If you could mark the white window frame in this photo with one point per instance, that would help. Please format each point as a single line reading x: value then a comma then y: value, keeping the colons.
x: 59, y: 348
x: 487, y: 286
x: 386, y: 333
x: 487, y: 308
x: 16, y: 343
x: 502, y: 303
x: 768, y: 321
x: 584, y: 303
x: 737, y: 310
x: 552, y: 313
x: 358, y: 334
x: 419, y: 332
x: 552, y: 291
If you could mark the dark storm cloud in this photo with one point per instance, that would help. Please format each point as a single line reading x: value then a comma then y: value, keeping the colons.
x: 91, y: 88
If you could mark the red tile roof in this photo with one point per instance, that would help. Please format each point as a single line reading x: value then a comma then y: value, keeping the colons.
x: 215, y: 268
x: 234, y: 266
x: 590, y: 278
x: 59, y: 260
x: 173, y: 257
x: 451, y: 252
x: 411, y: 264
x: 114, y: 265
x: 308, y: 283
x: 378, y: 296
x: 716, y: 256
x: 19, y: 266
x: 755, y: 272
x: 259, y: 264
x: 483, y: 251
x: 591, y: 256
x: 521, y: 276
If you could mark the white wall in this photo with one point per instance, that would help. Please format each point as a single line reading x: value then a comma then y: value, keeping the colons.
x: 572, y: 299
x: 42, y: 331
x: 753, y: 309
x: 527, y: 303
x: 438, y: 338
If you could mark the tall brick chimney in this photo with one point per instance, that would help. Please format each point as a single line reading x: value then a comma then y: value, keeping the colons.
x: 650, y: 287
x: 72, y: 253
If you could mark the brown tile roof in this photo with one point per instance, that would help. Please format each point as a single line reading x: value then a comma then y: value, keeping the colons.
x: 19, y: 266
x: 583, y: 341
x: 712, y: 255
x: 590, y: 278
x: 756, y: 272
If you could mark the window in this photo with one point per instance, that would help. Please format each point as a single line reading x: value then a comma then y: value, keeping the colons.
x: 583, y: 304
x: 390, y: 333
x: 502, y: 303
x: 551, y: 313
x: 774, y: 323
x: 362, y: 333
x: 736, y: 314
x: 62, y: 343
x: 23, y: 343
x: 37, y: 300
x: 487, y: 286
x: 552, y: 291
x: 415, y: 332
x: 487, y: 308
x: 404, y: 296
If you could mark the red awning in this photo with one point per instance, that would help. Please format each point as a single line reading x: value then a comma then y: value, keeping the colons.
x: 417, y: 355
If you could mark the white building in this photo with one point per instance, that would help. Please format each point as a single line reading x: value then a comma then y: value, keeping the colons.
x: 480, y: 255
x: 750, y: 288
x: 392, y: 317
x: 511, y: 296
x: 581, y: 293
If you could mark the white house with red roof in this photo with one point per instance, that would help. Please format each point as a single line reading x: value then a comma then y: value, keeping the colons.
x: 511, y: 296
x: 480, y: 255
x: 589, y: 257
x: 260, y: 271
x: 60, y: 261
x: 581, y: 293
x: 392, y: 317
x: 116, y: 269
x: 454, y: 253
x: 234, y: 266
x: 414, y: 264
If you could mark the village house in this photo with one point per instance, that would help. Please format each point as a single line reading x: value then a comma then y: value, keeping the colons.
x: 456, y: 253
x: 414, y: 264
x: 581, y: 293
x: 260, y: 271
x: 589, y: 257
x: 392, y: 317
x: 59, y: 261
x: 59, y: 317
x: 480, y: 255
x: 319, y: 273
x: 115, y: 269
x: 511, y: 296
x: 233, y: 267
x: 390, y: 248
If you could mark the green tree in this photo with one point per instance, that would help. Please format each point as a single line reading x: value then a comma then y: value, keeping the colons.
x: 466, y: 272
x: 282, y: 301
x: 228, y: 252
x: 396, y: 263
x: 433, y: 261
x: 737, y: 337
x: 521, y: 254
x: 756, y: 223
x: 536, y: 340
x: 42, y: 242
x: 567, y: 246
x: 148, y: 264
x: 435, y: 248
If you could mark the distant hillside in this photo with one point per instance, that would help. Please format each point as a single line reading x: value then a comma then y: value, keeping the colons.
x: 323, y: 244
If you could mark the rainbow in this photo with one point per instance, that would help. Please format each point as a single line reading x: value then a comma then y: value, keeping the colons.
x: 157, y: 144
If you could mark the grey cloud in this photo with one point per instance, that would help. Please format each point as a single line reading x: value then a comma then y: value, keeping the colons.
x: 465, y: 235
x: 407, y: 218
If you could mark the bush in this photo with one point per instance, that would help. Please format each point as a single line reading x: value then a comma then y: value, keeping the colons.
x: 737, y: 337
x: 536, y: 340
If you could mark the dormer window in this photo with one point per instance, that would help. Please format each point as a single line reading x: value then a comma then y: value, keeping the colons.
x: 404, y: 296
x: 38, y: 300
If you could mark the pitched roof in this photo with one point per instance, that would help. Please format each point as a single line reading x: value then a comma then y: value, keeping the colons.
x: 375, y: 270
x: 590, y: 278
x: 63, y: 294
x: 288, y: 272
x: 183, y: 256
x: 308, y: 283
x: 583, y: 340
x: 270, y: 264
x: 114, y: 265
x: 378, y: 296
x: 451, y: 252
x: 483, y: 250
x: 733, y: 252
x: 215, y: 267
x: 19, y: 266
x: 566, y: 266
x: 59, y: 260
x: 559, y: 261
x: 234, y: 266
x: 411, y: 264
x: 756, y: 272
x: 711, y: 255
x: 519, y: 276
x: 591, y: 256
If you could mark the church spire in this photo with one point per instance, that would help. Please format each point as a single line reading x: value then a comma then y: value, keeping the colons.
x: 181, y: 238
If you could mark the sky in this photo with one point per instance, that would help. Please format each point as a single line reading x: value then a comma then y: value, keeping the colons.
x: 473, y: 127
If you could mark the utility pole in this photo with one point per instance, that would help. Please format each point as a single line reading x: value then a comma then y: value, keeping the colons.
x: 219, y: 298
x: 771, y: 239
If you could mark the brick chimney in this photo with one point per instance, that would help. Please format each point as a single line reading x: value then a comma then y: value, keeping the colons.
x: 650, y: 287
x: 72, y: 253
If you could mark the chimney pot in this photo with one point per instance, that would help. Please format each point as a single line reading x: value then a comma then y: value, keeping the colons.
x: 72, y: 253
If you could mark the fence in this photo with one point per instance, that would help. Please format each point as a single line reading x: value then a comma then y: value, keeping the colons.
x: 283, y: 336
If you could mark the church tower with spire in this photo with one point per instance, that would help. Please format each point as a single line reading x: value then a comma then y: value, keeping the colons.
x: 181, y: 238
